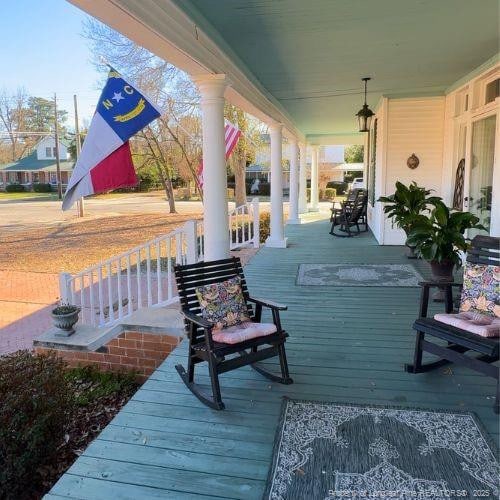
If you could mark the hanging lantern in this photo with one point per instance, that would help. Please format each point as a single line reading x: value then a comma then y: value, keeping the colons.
x: 365, y: 113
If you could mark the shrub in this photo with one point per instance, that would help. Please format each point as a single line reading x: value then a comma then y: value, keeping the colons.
x: 329, y: 194
x: 264, y: 226
x: 35, y: 406
x: 42, y: 187
x: 308, y: 193
x: 15, y: 188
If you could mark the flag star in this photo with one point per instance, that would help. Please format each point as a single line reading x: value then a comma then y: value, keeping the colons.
x: 117, y: 96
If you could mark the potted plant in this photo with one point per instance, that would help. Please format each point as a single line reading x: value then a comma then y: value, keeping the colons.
x: 65, y: 316
x: 439, y: 239
x: 406, y: 205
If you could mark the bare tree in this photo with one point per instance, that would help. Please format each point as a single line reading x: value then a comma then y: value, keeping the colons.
x: 13, y: 110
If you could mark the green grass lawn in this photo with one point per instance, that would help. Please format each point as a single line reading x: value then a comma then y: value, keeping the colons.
x: 28, y: 196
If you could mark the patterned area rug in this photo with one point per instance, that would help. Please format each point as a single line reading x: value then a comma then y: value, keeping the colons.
x: 358, y: 275
x: 325, y: 451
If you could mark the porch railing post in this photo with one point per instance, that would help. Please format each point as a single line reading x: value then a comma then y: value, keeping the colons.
x: 191, y: 233
x: 256, y: 222
x: 64, y: 287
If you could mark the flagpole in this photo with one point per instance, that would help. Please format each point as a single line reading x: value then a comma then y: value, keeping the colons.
x: 80, y: 203
x: 58, y: 160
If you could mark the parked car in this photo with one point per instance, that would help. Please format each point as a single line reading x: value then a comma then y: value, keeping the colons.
x: 357, y: 183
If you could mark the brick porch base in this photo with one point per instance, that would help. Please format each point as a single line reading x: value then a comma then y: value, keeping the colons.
x: 130, y: 351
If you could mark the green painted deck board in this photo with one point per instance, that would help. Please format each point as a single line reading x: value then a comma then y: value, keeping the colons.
x: 347, y: 344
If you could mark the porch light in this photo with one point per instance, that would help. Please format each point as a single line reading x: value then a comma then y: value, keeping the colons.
x: 365, y: 113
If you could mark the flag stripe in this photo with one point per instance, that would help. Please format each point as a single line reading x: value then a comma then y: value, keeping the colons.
x: 231, y: 136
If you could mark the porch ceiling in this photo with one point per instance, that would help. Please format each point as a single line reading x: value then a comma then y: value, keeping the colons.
x: 301, y: 62
x: 311, y: 55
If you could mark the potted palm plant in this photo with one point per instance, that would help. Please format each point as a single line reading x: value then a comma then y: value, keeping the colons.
x: 406, y: 206
x: 440, y: 239
x: 65, y: 317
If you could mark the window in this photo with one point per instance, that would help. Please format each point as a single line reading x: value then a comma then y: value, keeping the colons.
x: 492, y: 91
x: 48, y: 152
x: 372, y: 161
x: 54, y: 152
x: 35, y: 177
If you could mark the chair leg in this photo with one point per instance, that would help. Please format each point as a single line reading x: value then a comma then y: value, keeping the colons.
x: 284, y: 365
x: 416, y: 367
x: 214, y: 379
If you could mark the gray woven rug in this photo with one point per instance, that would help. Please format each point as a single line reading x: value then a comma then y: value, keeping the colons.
x: 358, y: 275
x: 325, y: 451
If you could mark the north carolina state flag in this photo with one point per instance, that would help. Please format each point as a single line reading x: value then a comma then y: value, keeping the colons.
x: 105, y: 162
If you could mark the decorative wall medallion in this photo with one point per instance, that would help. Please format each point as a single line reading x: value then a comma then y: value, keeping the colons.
x: 413, y: 161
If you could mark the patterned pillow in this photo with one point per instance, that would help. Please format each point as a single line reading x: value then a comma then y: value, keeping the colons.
x: 223, y: 303
x: 481, y: 291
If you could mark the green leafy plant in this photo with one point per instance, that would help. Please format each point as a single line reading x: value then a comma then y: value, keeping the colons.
x: 407, y: 204
x: 264, y: 226
x: 35, y: 406
x: 440, y: 237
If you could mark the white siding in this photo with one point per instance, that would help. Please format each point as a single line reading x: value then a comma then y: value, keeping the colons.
x: 49, y: 142
x: 413, y: 126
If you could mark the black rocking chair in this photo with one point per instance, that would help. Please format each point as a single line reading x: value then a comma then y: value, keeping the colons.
x: 222, y: 357
x: 485, y: 250
x: 350, y: 215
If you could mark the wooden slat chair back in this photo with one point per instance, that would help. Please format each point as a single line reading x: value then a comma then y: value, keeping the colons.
x: 222, y: 357
x: 485, y: 250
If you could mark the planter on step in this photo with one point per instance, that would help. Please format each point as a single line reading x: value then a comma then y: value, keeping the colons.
x: 65, y: 318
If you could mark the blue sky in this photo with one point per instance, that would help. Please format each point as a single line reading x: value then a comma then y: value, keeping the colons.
x: 42, y: 50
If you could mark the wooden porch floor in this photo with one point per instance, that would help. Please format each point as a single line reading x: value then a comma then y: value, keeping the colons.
x: 346, y: 345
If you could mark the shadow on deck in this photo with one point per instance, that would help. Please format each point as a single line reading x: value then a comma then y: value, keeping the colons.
x: 347, y: 344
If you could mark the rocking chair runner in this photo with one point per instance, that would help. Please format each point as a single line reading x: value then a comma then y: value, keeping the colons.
x: 485, y: 252
x: 222, y: 357
x: 351, y: 214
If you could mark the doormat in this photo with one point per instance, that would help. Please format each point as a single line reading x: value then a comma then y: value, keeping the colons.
x: 404, y: 275
x: 325, y: 451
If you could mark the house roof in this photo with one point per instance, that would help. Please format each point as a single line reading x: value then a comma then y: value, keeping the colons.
x: 31, y: 163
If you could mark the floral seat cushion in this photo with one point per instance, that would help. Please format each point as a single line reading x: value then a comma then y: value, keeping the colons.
x: 244, y: 331
x: 223, y: 303
x: 473, y: 322
x: 481, y: 290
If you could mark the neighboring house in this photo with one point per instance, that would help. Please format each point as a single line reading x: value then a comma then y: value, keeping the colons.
x: 39, y: 166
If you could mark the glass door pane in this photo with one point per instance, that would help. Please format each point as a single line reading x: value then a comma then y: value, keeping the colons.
x: 481, y: 173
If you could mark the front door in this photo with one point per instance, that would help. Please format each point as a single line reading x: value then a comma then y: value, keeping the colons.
x: 482, y: 162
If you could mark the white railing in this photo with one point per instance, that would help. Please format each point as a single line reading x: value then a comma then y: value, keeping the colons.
x: 112, y: 290
x: 244, y: 225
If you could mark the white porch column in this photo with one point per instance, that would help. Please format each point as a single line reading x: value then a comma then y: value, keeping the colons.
x: 293, y: 210
x: 277, y: 237
x: 302, y: 180
x: 314, y: 179
x: 215, y: 211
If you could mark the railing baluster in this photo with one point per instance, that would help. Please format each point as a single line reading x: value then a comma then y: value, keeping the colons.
x: 119, y: 286
x: 148, y: 275
x: 178, y: 249
x: 82, y: 297
x: 111, y: 315
x: 93, y: 319
x: 159, y: 297
x: 139, y: 280
x: 129, y: 286
x: 100, y: 297
x: 169, y: 269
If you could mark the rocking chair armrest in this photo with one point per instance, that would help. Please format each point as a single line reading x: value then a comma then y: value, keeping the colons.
x: 268, y: 303
x: 198, y: 320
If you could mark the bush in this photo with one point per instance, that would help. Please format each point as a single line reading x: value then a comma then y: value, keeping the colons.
x: 15, y: 188
x: 42, y: 187
x: 264, y: 226
x: 328, y: 194
x: 35, y: 406
x: 308, y: 195
x: 339, y: 186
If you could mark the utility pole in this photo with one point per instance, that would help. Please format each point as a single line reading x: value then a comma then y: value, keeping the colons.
x: 58, y: 160
x: 80, y: 203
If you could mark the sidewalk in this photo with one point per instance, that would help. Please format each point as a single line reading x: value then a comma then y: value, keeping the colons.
x: 25, y: 303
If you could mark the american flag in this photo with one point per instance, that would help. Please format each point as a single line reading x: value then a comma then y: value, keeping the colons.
x: 232, y: 134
